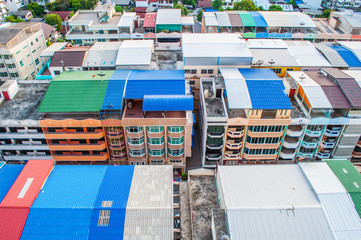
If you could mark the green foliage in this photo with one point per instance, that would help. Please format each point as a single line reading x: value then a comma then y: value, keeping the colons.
x: 275, y: 8
x: 75, y: 5
x: 48, y: 43
x: 216, y: 4
x: 132, y: 10
x: 184, y: 176
x: 13, y: 19
x: 293, y: 2
x: 60, y: 40
x: 228, y: 8
x: 220, y: 9
x: 52, y: 20
x: 199, y: 16
x: 35, y: 9
x: 184, y: 10
x: 245, y: 5
x: 118, y: 9
x: 189, y: 2
x: 326, y: 13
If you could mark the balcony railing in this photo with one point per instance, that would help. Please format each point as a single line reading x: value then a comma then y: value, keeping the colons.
x: 328, y: 144
x: 294, y: 131
x: 305, y: 155
x: 333, y: 133
x: 233, y: 146
x: 235, y: 134
x: 323, y: 155
x: 215, y: 146
x: 309, y: 145
x: 232, y: 155
x: 213, y: 157
x: 115, y: 134
x: 313, y: 133
x: 215, y: 134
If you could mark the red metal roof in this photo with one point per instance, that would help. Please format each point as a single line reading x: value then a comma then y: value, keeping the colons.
x: 140, y: 9
x: 62, y: 14
x: 28, y: 184
x: 149, y: 20
x: 12, y: 222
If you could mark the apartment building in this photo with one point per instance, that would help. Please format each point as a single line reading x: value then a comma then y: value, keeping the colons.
x: 21, y: 136
x: 348, y: 21
x: 244, y: 115
x: 102, y: 24
x: 344, y: 3
x: 4, y: 11
x: 14, y: 5
x: 122, y: 117
x: 20, y: 48
x: 154, y: 3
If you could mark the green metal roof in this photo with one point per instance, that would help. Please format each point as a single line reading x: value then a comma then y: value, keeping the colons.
x: 347, y: 174
x: 247, y: 19
x: 74, y: 96
x: 84, y: 75
x: 356, y: 198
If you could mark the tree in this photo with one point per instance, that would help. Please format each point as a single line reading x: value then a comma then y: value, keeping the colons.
x: 35, y: 9
x: 293, y: 2
x: 326, y: 13
x: 216, y: 4
x: 246, y: 5
x: 118, y: 9
x: 13, y: 19
x: 199, y: 16
x: 54, y: 20
x: 184, y: 10
x: 275, y: 8
x: 189, y: 2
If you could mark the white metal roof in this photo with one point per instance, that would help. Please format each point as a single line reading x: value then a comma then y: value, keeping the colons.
x: 214, y: 45
x: 149, y: 212
x: 272, y: 224
x: 321, y: 178
x: 102, y: 54
x: 127, y: 19
x: 302, y: 79
x: 352, y: 18
x: 187, y: 21
x: 265, y: 187
x: 223, y: 19
x: 306, y: 54
x: 287, y: 19
x: 49, y: 51
x: 135, y: 52
x: 331, y: 54
x: 210, y: 19
x: 279, y: 56
x: 236, y: 87
x: 266, y: 43
x: 169, y: 17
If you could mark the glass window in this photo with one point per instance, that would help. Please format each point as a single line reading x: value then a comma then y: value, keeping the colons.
x: 136, y: 152
x: 136, y: 141
x: 37, y: 61
x: 277, y: 70
x: 204, y: 71
x: 134, y: 129
x: 14, y: 75
x: 175, y: 129
x: 175, y: 140
x: 177, y: 152
x: 2, y: 65
x: 155, y: 129
x: 187, y: 71
x: 13, y: 65
x: 210, y: 71
x: 194, y: 71
x: 156, y: 140
x: 157, y: 152
x: 3, y: 74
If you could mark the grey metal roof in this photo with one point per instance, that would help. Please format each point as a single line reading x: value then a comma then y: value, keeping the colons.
x: 279, y: 57
x: 332, y: 55
x: 272, y: 224
x: 210, y: 19
x: 236, y: 87
x: 8, y: 33
x: 169, y: 17
x: 223, y: 19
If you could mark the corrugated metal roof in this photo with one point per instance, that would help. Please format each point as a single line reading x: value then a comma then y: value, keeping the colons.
x: 149, y: 20
x: 321, y: 178
x: 71, y: 187
x: 332, y: 55
x: 187, y: 21
x: 169, y: 17
x: 356, y: 198
x: 113, y: 98
x: 168, y: 82
x: 115, y: 188
x: 347, y: 56
x: 127, y: 19
x: 272, y: 224
x: 235, y: 19
x: 74, y: 96
x: 354, y: 47
x: 278, y: 57
x: 120, y: 75
x: 271, y: 186
x: 12, y: 221
x: 102, y: 54
x: 347, y: 174
x: 266, y: 44
x: 351, y: 90
x: 135, y: 53
x: 28, y: 184
x: 49, y: 51
x: 259, y: 20
x: 150, y: 203
x: 210, y: 19
x: 275, y: 19
x: 268, y: 95
x: 223, y: 19
x: 236, y: 87
x: 316, y: 97
x: 168, y: 103
x: 259, y: 74
x: 84, y: 75
x: 8, y: 175
x: 306, y: 54
x: 68, y: 59
x: 247, y: 19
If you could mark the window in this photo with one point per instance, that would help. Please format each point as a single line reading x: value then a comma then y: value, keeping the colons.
x: 192, y: 82
x: 277, y: 70
x: 3, y: 74
x: 14, y: 75
x: 156, y: 141
x: 175, y: 140
x: 175, y: 160
x: 56, y: 72
x: 37, y: 61
x: 131, y: 163
x: 155, y: 129
x: 194, y: 71
x: 2, y: 65
x: 210, y: 71
x: 13, y: 65
x: 175, y: 129
x: 17, y: 52
x: 187, y: 71
x: 7, y: 56
x: 175, y: 152
x: 136, y: 141
x: 104, y: 217
x: 37, y: 40
x: 101, y: 32
x: 31, y: 43
x: 28, y: 55
x: 33, y: 50
x: 25, y: 46
x: 289, y: 69
x: 204, y: 71
x: 157, y: 152
x: 136, y: 152
x: 134, y: 129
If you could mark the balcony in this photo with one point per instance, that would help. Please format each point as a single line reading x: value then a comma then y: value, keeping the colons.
x: 136, y: 146
x: 291, y: 142
x: 313, y: 133
x: 323, y: 155
x: 287, y: 153
x: 135, y: 134
x: 235, y: 134
x: 101, y: 157
x: 115, y: 134
x: 155, y: 134
x: 156, y: 146
x: 359, y: 143
x: 175, y: 157
x: 260, y: 157
x: 310, y: 144
x: 356, y: 154
x: 233, y: 146
x: 262, y: 146
x: 175, y: 146
x: 116, y: 146
x: 215, y: 134
x: 305, y: 155
x: 120, y: 156
x: 156, y: 157
x: 75, y: 135
x: 325, y: 144
x: 77, y: 147
x: 230, y: 155
x: 214, y: 146
x: 334, y: 132
x: 294, y: 131
x: 213, y: 157
x: 175, y: 134
x: 264, y: 134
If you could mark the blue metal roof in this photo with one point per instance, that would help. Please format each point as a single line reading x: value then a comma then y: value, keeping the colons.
x: 259, y: 20
x: 114, y: 95
x: 268, y: 95
x: 168, y: 103
x: 347, y: 56
x: 120, y: 75
x: 71, y: 187
x: 8, y: 174
x: 258, y: 74
x: 136, y: 89
x: 115, y: 187
x: 157, y: 75
x: 57, y: 224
